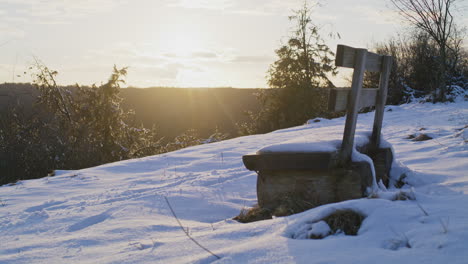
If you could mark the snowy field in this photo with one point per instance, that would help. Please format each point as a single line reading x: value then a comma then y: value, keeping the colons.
x: 117, y: 213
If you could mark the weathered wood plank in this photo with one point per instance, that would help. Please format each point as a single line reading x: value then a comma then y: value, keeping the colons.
x: 381, y: 100
x: 338, y: 99
x: 352, y: 111
x: 346, y: 57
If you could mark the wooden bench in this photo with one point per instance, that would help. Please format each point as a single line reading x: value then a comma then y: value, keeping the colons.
x: 317, y: 178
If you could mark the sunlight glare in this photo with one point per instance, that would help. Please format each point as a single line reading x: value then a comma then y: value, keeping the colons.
x: 183, y: 44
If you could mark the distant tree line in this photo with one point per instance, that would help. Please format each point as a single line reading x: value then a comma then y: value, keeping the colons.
x: 76, y: 127
x: 173, y: 110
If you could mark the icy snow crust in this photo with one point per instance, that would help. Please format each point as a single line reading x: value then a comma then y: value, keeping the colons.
x: 116, y: 213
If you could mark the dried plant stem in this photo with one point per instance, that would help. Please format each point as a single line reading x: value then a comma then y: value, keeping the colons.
x: 444, y: 225
x: 418, y: 204
x: 422, y: 209
x: 186, y: 231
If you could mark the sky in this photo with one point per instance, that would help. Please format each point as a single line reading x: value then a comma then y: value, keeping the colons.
x: 176, y: 43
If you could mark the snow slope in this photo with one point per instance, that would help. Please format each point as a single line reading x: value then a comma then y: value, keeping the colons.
x: 117, y: 213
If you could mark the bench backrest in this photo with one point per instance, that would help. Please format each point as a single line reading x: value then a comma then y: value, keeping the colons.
x: 356, y: 97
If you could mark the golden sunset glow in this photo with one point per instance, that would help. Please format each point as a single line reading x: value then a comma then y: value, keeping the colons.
x: 169, y: 42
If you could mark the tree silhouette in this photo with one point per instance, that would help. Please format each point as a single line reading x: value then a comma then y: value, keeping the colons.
x: 297, y: 78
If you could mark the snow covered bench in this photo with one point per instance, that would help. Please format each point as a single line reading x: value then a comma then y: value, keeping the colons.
x: 315, y: 172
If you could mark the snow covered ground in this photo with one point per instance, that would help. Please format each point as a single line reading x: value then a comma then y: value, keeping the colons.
x: 117, y: 213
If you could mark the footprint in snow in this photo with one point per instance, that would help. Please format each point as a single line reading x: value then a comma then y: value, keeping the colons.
x: 42, y: 206
x: 87, y: 222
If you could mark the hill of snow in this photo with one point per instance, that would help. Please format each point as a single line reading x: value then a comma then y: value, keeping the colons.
x: 117, y: 213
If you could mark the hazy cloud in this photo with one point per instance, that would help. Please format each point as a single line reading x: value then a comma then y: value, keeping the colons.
x: 376, y: 15
x: 9, y: 33
x: 196, y: 66
x: 281, y: 7
x: 166, y: 71
x: 202, y: 4
x: 193, y: 55
x: 251, y: 59
x: 247, y: 7
x: 53, y: 11
x: 216, y: 56
x: 204, y: 55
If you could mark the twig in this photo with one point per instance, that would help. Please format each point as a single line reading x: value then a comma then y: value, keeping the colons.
x: 422, y: 209
x: 436, y: 141
x: 186, y: 232
x: 417, y: 203
x: 154, y: 245
x: 444, y: 225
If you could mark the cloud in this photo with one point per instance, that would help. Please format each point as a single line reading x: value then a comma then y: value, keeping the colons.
x: 54, y: 11
x: 170, y: 74
x: 242, y: 7
x: 166, y: 71
x: 251, y: 59
x: 202, y: 4
x: 376, y: 15
x: 192, y: 55
x: 9, y: 33
x: 191, y: 68
x: 204, y: 55
x: 163, y: 65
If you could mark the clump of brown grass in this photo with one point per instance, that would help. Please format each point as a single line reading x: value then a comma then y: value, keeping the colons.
x: 253, y: 214
x: 340, y: 221
x: 403, y: 196
x: 346, y: 221
x: 419, y: 137
x: 422, y: 137
x: 289, y: 205
x: 401, y: 181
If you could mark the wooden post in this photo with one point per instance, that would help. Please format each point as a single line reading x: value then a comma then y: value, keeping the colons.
x: 380, y: 102
x: 353, y: 103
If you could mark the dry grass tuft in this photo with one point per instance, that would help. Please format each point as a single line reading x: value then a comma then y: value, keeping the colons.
x: 422, y: 137
x: 289, y: 205
x: 253, y: 214
x: 343, y: 221
x: 403, y: 196
x: 346, y: 221
x: 401, y: 181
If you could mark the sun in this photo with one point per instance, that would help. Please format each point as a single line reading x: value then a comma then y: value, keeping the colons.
x: 184, y: 43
